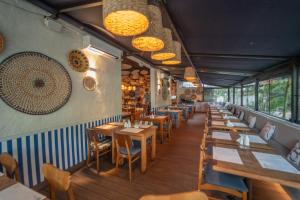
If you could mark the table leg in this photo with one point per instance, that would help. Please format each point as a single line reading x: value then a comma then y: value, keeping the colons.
x: 113, y: 149
x: 144, y: 154
x: 153, y: 152
x: 161, y: 131
x: 250, y: 188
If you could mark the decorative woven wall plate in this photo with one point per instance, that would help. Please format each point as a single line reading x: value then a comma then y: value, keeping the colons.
x: 33, y: 83
x: 126, y: 66
x: 89, y: 83
x: 187, y: 92
x: 79, y: 61
x: 198, y: 90
x: 125, y: 73
x: 1, y: 43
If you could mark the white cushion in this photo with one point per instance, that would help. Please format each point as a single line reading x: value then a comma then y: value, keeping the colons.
x: 251, y: 121
x: 267, y: 131
x: 294, y: 155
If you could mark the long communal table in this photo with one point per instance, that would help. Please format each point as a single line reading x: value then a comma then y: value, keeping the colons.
x: 258, y: 161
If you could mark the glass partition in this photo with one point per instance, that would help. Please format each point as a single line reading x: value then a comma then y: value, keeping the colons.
x: 216, y: 95
x: 249, y: 95
x: 237, y: 96
x: 274, y: 97
x: 231, y: 94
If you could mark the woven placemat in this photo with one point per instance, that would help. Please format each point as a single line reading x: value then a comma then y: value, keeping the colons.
x: 33, y: 83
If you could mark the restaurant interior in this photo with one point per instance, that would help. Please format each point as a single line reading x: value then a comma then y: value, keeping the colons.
x: 149, y: 100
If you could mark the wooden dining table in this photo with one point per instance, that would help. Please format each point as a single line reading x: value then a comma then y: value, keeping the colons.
x: 230, y: 138
x: 142, y: 136
x: 161, y: 120
x: 176, y: 112
x: 252, y: 169
x: 11, y: 189
x: 225, y: 118
x: 240, y: 126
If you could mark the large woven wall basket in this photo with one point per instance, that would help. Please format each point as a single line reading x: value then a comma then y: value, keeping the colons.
x: 34, y: 83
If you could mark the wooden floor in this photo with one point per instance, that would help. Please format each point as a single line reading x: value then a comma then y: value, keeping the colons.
x: 174, y: 170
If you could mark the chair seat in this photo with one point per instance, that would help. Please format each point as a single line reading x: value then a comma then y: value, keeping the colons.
x: 224, y: 180
x: 133, y: 151
x: 136, y: 143
x: 105, y: 144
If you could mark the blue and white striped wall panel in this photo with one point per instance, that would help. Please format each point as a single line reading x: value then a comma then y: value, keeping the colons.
x: 62, y: 147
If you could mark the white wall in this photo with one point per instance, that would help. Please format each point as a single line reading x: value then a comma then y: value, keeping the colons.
x: 24, y: 31
x: 156, y: 97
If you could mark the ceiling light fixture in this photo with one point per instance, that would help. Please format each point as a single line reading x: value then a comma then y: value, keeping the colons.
x: 177, y: 59
x: 152, y: 39
x: 189, y: 74
x: 125, y: 17
x: 168, y: 51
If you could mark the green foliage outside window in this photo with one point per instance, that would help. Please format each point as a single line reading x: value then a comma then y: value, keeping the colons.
x: 274, y: 97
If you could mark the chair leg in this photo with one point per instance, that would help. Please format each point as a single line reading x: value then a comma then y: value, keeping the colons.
x: 89, y: 157
x: 117, y: 161
x: 52, y: 193
x: 98, y: 160
x: 70, y: 193
x: 129, y: 164
x: 245, y: 196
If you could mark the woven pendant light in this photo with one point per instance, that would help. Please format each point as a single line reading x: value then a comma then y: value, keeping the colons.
x: 125, y: 17
x: 177, y: 59
x: 168, y: 51
x: 189, y: 74
x: 152, y: 39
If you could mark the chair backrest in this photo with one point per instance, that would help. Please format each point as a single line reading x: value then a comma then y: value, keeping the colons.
x: 58, y: 180
x: 138, y: 115
x: 91, y: 136
x: 124, y: 141
x: 10, y: 165
x: 201, y: 161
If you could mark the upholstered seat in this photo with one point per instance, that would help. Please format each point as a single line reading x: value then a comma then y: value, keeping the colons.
x: 133, y: 151
x: 224, y: 180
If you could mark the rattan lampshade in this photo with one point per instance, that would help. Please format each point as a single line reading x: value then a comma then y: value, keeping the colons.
x: 177, y: 59
x: 125, y: 17
x: 152, y: 39
x: 189, y: 74
x: 168, y: 51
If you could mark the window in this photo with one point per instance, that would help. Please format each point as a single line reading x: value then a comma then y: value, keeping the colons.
x: 249, y: 95
x: 263, y: 96
x: 274, y: 97
x: 216, y: 94
x: 237, y: 96
x: 231, y: 94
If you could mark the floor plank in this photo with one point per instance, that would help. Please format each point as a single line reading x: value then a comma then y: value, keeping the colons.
x: 174, y: 170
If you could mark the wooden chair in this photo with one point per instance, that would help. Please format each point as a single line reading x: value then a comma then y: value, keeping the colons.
x: 10, y: 165
x: 126, y: 150
x: 180, y: 196
x: 58, y: 180
x: 218, y: 181
x: 168, y: 127
x: 96, y: 146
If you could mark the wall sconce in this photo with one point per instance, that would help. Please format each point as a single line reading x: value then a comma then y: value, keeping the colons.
x: 89, y: 81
